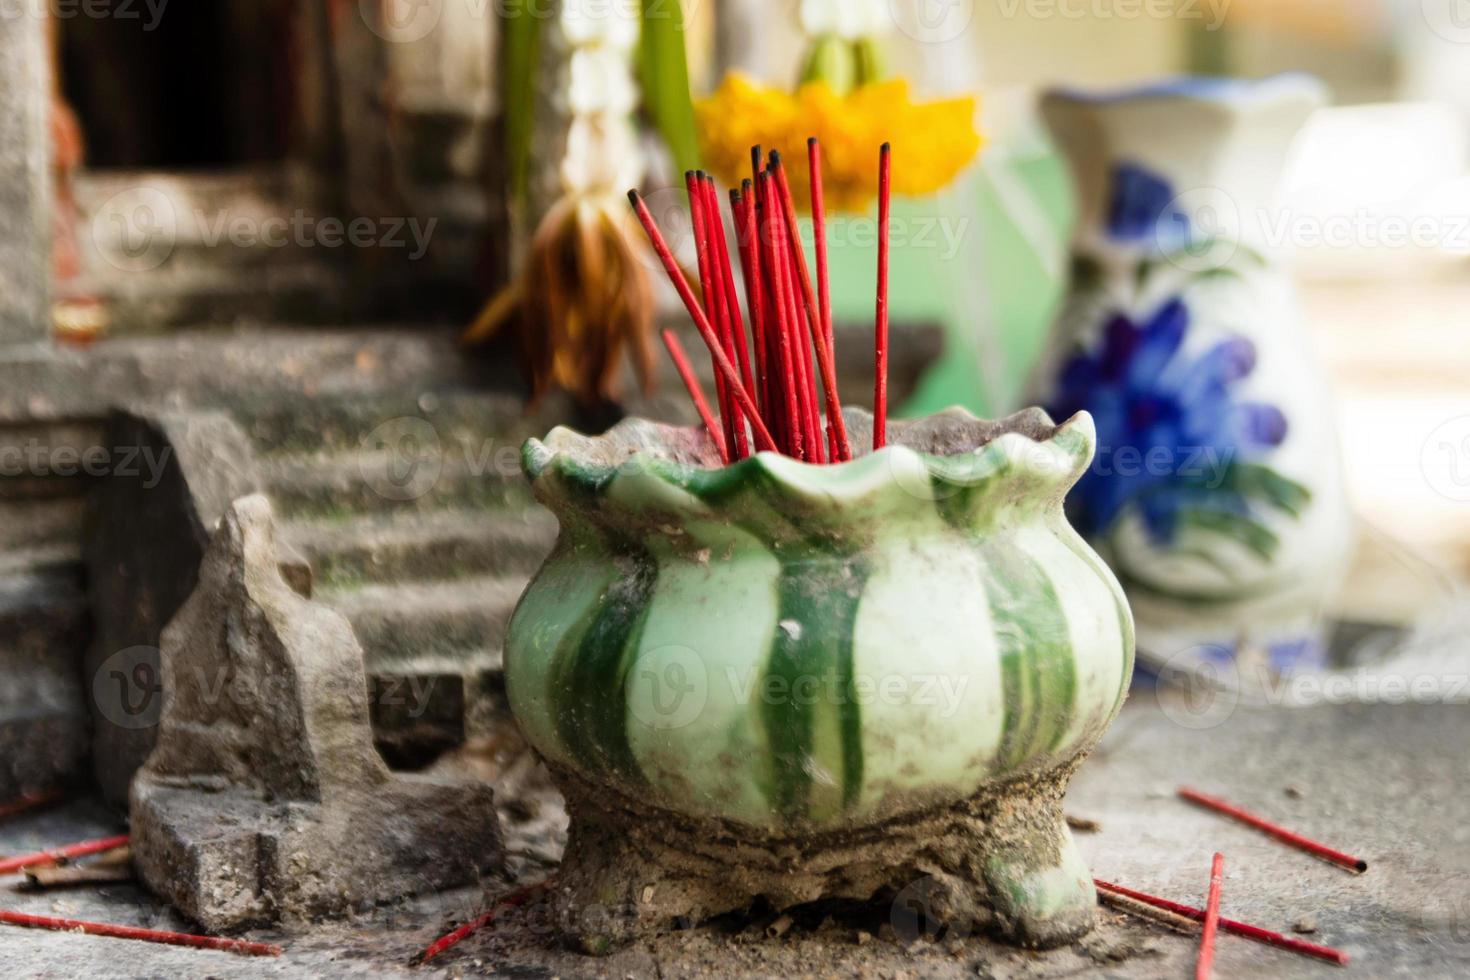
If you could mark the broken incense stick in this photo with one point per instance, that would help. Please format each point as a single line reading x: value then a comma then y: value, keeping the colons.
x: 514, y: 899
x: 1143, y: 910
x: 82, y: 849
x: 1331, y: 855
x: 696, y: 394
x: 110, y: 931
x: 1243, y: 929
x: 1205, y: 964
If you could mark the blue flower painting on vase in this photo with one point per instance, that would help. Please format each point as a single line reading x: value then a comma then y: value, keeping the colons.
x: 1174, y: 438
x: 1216, y: 494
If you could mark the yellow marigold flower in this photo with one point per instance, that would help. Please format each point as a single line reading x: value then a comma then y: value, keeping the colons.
x: 932, y: 141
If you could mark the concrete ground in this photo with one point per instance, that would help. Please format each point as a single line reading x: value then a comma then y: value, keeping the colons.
x: 1389, y: 783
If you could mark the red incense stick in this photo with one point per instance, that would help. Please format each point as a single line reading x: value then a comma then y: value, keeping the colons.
x: 1206, y: 961
x: 775, y: 243
x: 743, y: 203
x: 82, y: 849
x: 836, y: 425
x: 1243, y: 929
x: 514, y: 899
x: 1322, y: 851
x: 239, y: 946
x: 30, y: 801
x: 701, y: 322
x: 699, y: 220
x: 880, y: 373
x: 735, y: 333
x: 696, y: 394
x: 813, y: 313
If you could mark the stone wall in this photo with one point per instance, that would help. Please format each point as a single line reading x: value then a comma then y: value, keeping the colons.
x: 24, y: 178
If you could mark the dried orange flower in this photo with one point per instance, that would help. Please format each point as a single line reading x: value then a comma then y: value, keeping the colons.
x: 933, y: 140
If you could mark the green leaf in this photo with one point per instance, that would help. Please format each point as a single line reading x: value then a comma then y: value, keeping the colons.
x: 1263, y: 483
x: 520, y: 60
x: 870, y: 59
x: 663, y: 71
x: 1256, y: 537
x: 831, y: 60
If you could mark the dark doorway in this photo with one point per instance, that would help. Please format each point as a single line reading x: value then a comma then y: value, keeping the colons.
x: 184, y: 84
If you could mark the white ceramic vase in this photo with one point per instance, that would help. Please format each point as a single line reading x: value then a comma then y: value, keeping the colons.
x: 1216, y: 495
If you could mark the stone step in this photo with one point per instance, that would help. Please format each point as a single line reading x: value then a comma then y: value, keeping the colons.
x: 458, y: 419
x: 487, y: 425
x: 205, y: 297
x: 381, y: 482
x: 43, y: 630
x: 423, y: 629
x: 408, y: 546
x: 48, y: 558
x: 36, y: 523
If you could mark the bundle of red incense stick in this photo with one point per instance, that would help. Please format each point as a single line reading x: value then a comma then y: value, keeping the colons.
x: 767, y: 385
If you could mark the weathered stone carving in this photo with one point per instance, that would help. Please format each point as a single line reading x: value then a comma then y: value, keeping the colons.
x: 264, y: 799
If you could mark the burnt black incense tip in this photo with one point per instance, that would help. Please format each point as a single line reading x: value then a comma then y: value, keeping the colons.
x: 887, y: 148
x: 746, y: 185
x: 633, y: 197
x: 734, y: 196
x: 811, y: 141
x: 775, y: 158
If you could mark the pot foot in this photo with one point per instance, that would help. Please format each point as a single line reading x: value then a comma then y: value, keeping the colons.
x: 1042, y: 897
x: 1002, y: 860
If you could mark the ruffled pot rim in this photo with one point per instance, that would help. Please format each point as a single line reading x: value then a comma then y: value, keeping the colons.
x: 924, y: 459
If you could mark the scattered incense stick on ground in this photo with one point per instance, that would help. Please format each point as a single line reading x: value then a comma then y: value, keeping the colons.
x: 514, y: 899
x: 1331, y: 855
x: 31, y: 801
x: 1083, y: 825
x: 1243, y: 929
x: 1142, y: 910
x: 1206, y: 962
x: 83, y: 849
x: 49, y: 876
x: 118, y: 857
x: 109, y: 931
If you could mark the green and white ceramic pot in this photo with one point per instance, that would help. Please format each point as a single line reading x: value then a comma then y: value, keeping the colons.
x: 784, y: 681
